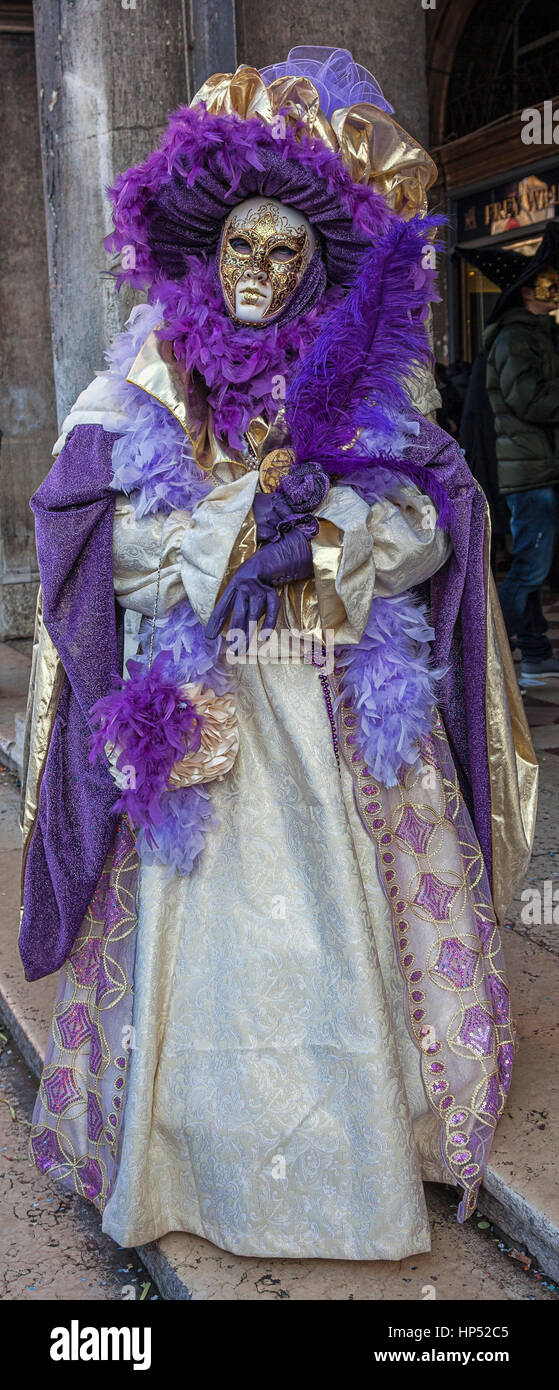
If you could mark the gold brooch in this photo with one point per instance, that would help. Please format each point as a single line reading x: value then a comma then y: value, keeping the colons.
x: 275, y: 466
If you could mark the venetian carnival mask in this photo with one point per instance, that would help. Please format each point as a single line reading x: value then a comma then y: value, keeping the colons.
x: 264, y: 252
x: 546, y: 286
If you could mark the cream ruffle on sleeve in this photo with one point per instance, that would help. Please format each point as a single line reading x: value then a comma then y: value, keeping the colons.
x: 193, y: 550
x: 361, y: 551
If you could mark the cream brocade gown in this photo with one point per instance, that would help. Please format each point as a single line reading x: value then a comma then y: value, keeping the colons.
x: 275, y: 1102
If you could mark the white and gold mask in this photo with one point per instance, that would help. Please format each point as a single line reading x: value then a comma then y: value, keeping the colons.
x: 264, y: 252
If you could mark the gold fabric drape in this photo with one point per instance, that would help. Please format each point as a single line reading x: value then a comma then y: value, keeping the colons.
x: 370, y: 143
x: 513, y: 767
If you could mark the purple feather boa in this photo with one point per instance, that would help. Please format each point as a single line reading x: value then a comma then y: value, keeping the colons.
x: 171, y: 824
x: 152, y: 460
x: 186, y: 814
x: 390, y: 683
x: 176, y: 837
x: 241, y: 367
x: 153, y: 464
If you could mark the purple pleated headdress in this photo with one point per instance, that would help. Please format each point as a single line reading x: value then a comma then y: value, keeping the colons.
x: 174, y: 204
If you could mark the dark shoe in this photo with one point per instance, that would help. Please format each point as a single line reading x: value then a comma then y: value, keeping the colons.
x: 538, y: 672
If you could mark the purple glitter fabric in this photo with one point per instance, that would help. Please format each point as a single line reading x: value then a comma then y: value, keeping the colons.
x: 304, y: 486
x: 74, y: 509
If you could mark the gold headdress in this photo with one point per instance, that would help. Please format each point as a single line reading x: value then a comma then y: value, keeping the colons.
x: 370, y: 143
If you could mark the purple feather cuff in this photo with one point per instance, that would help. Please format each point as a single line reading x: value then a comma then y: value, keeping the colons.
x: 149, y: 726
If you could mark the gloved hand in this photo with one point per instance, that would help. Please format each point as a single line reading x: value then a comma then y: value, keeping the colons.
x: 299, y: 493
x: 270, y: 510
x: 275, y: 515
x: 251, y: 593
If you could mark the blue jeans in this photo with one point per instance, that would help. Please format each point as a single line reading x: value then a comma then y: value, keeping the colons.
x: 534, y: 521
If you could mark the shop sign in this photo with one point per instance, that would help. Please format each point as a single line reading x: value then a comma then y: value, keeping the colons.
x: 512, y: 205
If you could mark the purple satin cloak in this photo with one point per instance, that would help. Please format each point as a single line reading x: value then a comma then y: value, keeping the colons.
x: 74, y: 517
x: 74, y: 509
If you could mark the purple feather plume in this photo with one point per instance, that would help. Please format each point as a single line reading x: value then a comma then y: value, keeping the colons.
x: 353, y: 385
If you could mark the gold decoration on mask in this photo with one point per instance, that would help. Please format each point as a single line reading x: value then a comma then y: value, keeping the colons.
x: 546, y: 287
x: 275, y: 466
x: 371, y: 144
x: 262, y: 241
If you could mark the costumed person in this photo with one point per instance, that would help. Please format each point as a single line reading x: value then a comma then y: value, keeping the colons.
x: 523, y: 385
x: 273, y: 875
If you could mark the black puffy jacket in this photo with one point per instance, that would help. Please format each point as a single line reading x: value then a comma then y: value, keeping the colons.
x: 523, y: 386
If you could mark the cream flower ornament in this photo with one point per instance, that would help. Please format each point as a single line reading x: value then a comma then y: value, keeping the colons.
x: 218, y: 745
x: 219, y: 741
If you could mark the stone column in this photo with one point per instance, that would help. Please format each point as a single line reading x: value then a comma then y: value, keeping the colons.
x: 108, y: 74
x: 28, y: 416
x: 388, y: 38
x: 213, y: 46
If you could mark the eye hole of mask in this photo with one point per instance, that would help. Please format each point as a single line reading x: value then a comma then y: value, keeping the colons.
x: 240, y: 245
x: 282, y: 253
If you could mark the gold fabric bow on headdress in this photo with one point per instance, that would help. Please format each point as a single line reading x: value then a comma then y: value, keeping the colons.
x: 371, y: 144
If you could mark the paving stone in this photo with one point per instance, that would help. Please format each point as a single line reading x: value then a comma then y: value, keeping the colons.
x: 52, y: 1243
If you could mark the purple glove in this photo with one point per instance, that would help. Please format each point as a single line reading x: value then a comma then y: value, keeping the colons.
x: 299, y: 492
x: 251, y: 593
x: 274, y: 517
x: 271, y: 510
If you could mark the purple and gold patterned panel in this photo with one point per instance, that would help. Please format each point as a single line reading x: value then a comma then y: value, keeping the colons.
x: 77, y: 1121
x: 448, y: 946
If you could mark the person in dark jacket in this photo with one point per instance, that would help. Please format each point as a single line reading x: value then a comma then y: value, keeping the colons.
x: 523, y: 387
x: 478, y: 441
